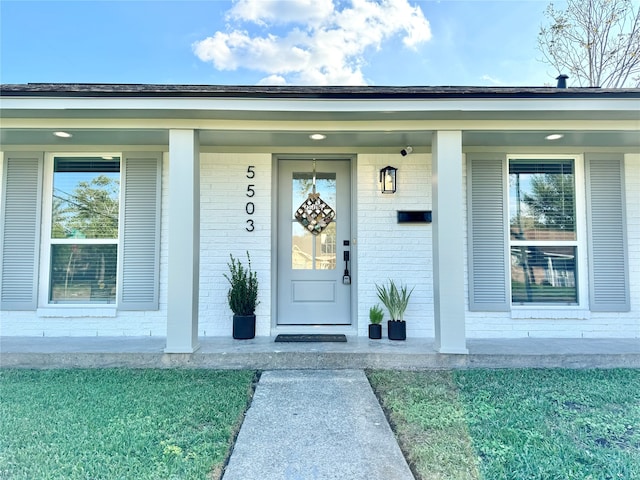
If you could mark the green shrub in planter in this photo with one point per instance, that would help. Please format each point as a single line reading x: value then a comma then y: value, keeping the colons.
x: 242, y: 297
x: 375, y: 317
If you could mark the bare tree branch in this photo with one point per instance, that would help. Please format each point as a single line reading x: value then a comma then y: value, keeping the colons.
x: 595, y: 42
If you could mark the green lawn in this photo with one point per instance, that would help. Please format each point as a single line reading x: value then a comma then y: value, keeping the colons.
x: 119, y: 424
x: 461, y: 425
x: 516, y: 424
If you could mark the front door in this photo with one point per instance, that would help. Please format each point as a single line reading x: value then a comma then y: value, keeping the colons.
x: 313, y: 273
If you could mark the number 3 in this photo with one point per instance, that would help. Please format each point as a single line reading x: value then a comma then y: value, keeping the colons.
x: 251, y: 227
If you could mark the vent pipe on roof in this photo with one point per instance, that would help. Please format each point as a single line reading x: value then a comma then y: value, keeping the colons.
x: 562, y: 81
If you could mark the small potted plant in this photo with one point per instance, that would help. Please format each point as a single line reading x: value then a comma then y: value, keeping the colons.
x: 243, y: 298
x: 396, y: 300
x: 375, y: 317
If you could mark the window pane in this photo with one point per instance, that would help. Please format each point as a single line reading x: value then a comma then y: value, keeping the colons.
x: 543, y: 274
x: 313, y: 252
x: 86, y: 194
x: 326, y: 248
x: 303, y: 186
x: 302, y: 247
x: 83, y: 273
x: 542, y: 200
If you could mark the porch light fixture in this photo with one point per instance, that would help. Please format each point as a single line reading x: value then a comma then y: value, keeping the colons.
x: 554, y: 136
x: 388, y: 179
x: 317, y: 136
x: 63, y: 134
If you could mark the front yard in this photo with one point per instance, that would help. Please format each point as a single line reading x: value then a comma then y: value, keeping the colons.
x: 119, y: 424
x: 515, y: 424
x: 460, y: 425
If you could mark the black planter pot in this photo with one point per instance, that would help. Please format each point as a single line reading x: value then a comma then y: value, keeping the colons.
x: 375, y: 331
x: 244, y: 327
x: 397, y: 329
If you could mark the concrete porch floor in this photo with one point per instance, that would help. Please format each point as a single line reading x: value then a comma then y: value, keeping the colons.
x: 357, y: 353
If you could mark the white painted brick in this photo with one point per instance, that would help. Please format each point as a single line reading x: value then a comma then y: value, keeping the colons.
x: 383, y: 250
x: 386, y: 249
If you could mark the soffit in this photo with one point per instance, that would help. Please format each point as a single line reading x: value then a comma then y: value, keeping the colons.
x: 270, y: 140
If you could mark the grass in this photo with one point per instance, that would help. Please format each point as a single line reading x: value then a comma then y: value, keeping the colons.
x: 461, y: 425
x: 428, y: 419
x: 516, y: 424
x: 119, y: 424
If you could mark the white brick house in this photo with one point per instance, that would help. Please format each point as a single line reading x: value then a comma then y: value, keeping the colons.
x: 529, y: 236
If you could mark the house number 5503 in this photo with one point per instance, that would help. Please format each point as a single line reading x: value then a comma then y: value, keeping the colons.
x: 250, y: 207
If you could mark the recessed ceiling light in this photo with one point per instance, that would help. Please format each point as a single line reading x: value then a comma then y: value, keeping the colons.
x: 63, y: 134
x: 554, y: 136
x: 317, y: 136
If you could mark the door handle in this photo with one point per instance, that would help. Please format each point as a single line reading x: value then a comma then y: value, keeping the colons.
x: 346, y: 277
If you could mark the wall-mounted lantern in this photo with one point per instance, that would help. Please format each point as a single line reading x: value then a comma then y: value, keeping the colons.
x: 388, y: 179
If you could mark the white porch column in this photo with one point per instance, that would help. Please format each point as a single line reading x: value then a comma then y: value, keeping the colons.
x: 448, y: 246
x: 184, y: 242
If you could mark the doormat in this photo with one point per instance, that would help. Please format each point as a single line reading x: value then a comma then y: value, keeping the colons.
x: 311, y: 338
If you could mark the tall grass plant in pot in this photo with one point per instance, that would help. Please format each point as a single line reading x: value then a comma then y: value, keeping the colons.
x: 396, y: 300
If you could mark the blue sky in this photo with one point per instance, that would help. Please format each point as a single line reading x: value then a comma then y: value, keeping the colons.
x: 250, y: 42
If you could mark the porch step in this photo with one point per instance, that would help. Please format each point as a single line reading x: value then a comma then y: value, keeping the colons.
x: 263, y: 353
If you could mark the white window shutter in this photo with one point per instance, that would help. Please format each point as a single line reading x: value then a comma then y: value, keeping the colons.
x: 19, y: 250
x: 140, y: 232
x: 487, y: 232
x: 608, y: 261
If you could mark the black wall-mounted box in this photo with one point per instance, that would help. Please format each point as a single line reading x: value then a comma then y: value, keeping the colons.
x: 414, y: 216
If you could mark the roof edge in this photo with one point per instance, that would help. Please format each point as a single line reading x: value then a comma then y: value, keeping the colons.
x: 308, y: 92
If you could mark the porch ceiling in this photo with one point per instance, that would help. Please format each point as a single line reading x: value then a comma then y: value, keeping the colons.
x: 629, y: 140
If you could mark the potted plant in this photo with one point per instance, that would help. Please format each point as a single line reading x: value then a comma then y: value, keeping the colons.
x: 396, y: 300
x: 375, y: 317
x: 243, y: 298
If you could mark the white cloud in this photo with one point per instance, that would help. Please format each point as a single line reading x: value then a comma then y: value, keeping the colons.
x: 326, y: 41
x: 492, y: 80
x: 279, y: 12
x: 273, y: 80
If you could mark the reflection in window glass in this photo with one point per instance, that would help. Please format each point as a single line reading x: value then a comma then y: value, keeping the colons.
x: 311, y: 252
x: 84, y: 230
x: 543, y: 238
x: 543, y: 274
x: 86, y: 194
x: 542, y: 200
x: 83, y: 273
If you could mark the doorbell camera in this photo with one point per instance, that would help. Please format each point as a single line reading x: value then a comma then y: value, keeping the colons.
x: 406, y: 151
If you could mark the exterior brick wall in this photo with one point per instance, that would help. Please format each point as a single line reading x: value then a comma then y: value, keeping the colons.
x: 384, y: 250
x: 388, y: 250
x: 223, y: 189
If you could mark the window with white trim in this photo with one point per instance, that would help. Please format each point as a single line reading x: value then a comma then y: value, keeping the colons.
x: 82, y: 243
x: 543, y: 231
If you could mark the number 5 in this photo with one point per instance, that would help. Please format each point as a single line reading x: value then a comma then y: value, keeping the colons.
x: 250, y: 171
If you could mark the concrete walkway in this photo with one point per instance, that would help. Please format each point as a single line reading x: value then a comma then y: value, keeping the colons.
x: 316, y: 425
